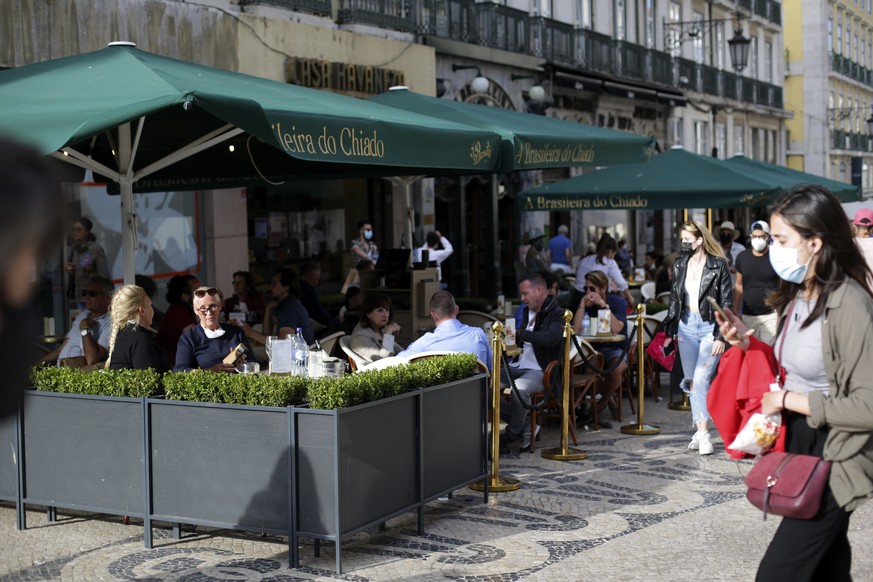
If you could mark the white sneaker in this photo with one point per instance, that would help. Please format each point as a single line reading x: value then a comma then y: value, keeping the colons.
x: 695, y: 442
x: 705, y: 445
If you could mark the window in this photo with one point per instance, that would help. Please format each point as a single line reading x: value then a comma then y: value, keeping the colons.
x: 620, y: 19
x: 831, y: 33
x: 855, y: 52
x: 583, y: 13
x: 842, y: 177
x: 719, y: 45
x: 739, y: 139
x: 753, y: 58
x: 649, y: 8
x: 848, y: 51
x: 864, y: 49
x: 839, y: 45
x: 676, y: 130
x: 697, y: 43
x: 757, y: 152
x: 700, y: 135
x: 768, y: 62
x: 675, y: 16
x: 721, y: 139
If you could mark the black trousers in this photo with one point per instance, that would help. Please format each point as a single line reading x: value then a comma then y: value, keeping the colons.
x: 814, y: 549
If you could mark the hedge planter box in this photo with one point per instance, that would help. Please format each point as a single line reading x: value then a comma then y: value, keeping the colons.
x: 219, y: 465
x: 8, y: 458
x: 359, y: 466
x: 83, y: 452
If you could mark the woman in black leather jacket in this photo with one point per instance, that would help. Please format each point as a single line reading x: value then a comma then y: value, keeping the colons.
x: 702, y: 271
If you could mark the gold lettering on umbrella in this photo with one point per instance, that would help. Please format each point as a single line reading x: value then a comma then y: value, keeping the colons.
x: 477, y: 153
x: 527, y: 154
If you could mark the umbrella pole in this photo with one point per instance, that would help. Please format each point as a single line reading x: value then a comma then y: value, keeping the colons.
x: 128, y: 218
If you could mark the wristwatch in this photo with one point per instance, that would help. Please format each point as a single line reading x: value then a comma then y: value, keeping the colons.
x: 85, y: 332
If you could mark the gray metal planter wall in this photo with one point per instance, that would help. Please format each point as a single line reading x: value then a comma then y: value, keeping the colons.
x: 8, y: 457
x: 219, y: 465
x: 83, y: 452
x: 291, y: 471
x: 362, y: 465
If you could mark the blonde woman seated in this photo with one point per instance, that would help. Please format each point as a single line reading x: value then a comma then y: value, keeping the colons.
x: 368, y: 338
x: 132, y: 342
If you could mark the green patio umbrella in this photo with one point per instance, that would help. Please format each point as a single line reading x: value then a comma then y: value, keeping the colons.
x: 843, y: 191
x: 674, y: 179
x: 530, y: 141
x: 151, y: 123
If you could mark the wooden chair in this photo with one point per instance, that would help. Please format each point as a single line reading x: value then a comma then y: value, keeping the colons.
x: 476, y: 318
x: 583, y: 382
x: 355, y: 361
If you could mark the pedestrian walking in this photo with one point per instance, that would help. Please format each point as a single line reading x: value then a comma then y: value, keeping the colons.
x: 756, y: 279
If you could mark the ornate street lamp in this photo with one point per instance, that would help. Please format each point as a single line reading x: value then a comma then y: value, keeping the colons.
x: 675, y: 33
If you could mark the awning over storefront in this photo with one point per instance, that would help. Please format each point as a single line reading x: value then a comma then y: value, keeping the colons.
x: 845, y: 192
x: 530, y: 141
x: 674, y: 179
x: 129, y: 115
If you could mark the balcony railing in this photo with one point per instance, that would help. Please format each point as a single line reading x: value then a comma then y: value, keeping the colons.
x: 504, y: 28
x: 559, y: 41
x: 729, y: 85
x: 710, y: 77
x: 747, y: 4
x: 848, y: 140
x: 317, y: 7
x: 392, y: 14
x: 598, y: 52
x: 762, y: 8
x: 688, y: 77
x: 632, y: 63
x: 661, y: 67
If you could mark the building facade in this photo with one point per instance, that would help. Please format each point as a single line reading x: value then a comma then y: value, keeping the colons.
x: 652, y: 67
x: 829, y: 85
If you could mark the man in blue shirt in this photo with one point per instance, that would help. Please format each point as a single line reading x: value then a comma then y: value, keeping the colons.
x: 559, y: 252
x: 450, y: 334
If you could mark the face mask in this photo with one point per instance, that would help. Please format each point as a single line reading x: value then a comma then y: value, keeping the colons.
x: 686, y: 248
x: 784, y: 262
x: 759, y: 244
x: 368, y: 234
x: 726, y: 238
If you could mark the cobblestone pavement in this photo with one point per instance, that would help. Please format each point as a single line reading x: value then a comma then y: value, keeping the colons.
x: 638, y: 508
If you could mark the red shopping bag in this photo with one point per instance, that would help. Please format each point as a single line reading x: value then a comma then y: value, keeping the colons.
x: 656, y: 351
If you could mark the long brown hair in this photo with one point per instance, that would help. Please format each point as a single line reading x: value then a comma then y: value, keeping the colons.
x: 814, y: 212
x: 710, y: 245
x: 604, y: 245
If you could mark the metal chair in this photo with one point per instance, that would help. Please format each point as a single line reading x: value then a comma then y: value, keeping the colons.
x: 355, y: 360
x: 647, y: 290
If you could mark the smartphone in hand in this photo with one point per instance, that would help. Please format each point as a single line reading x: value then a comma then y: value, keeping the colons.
x: 718, y: 308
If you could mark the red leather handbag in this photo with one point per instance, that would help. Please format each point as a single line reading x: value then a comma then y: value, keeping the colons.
x: 655, y: 349
x: 788, y: 485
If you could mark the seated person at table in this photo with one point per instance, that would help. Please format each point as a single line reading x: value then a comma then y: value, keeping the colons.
x: 368, y: 337
x: 206, y: 345
x: 288, y: 311
x: 552, y: 288
x: 539, y: 335
x: 132, y: 345
x: 89, y: 335
x: 450, y: 334
x: 595, y: 299
x: 245, y: 297
x: 179, y: 317
x: 310, y: 278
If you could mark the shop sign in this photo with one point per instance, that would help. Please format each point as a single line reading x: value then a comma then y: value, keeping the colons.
x: 341, y: 77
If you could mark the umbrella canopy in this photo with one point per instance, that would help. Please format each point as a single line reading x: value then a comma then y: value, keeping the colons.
x: 674, y: 179
x: 790, y: 178
x: 150, y: 123
x: 530, y: 141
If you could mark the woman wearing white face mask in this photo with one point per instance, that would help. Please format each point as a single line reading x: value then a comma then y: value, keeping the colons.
x: 363, y: 247
x: 756, y: 279
x: 701, y: 272
x: 825, y: 352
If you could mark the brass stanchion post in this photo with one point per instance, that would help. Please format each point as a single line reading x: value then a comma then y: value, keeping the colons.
x: 684, y: 405
x: 565, y: 453
x: 495, y: 482
x: 640, y: 428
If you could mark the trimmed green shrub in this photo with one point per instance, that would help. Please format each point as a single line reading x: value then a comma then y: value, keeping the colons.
x: 653, y: 308
x: 128, y: 383
x: 254, y: 390
x: 329, y: 393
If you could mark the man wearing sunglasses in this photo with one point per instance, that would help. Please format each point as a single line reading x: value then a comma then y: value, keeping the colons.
x: 89, y: 335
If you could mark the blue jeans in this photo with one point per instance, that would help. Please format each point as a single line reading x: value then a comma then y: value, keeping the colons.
x: 698, y: 363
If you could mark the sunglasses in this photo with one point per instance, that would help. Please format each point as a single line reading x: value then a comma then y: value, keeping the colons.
x: 592, y: 289
x: 212, y: 291
x: 87, y: 293
x: 208, y: 309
